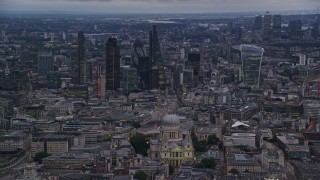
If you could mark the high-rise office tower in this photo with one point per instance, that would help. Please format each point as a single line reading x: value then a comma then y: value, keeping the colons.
x: 138, y: 51
x: 45, y: 63
x: 78, y: 63
x: 112, y: 64
x: 266, y: 21
x: 258, y: 23
x: 128, y: 79
x: 194, y: 62
x: 267, y: 31
x: 145, y: 72
x: 251, y: 57
x: 277, y: 26
x: 295, y: 29
x: 158, y: 74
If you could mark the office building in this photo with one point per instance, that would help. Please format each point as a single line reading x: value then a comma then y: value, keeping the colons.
x: 45, y: 63
x: 295, y: 30
x: 68, y: 161
x: 258, y: 23
x: 138, y: 52
x: 15, y: 140
x: 144, y: 72
x: 266, y: 21
x: 251, y: 57
x: 158, y: 74
x: 277, y: 26
x: 78, y: 63
x: 128, y: 79
x: 194, y: 63
x: 112, y: 64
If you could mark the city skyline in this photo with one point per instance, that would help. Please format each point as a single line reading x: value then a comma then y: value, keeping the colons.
x: 157, y: 6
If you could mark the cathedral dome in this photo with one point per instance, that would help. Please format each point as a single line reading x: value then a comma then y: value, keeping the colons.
x: 171, y: 119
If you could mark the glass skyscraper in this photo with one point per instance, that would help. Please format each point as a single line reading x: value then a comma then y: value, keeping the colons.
x: 112, y: 64
x: 158, y: 74
x: 251, y: 57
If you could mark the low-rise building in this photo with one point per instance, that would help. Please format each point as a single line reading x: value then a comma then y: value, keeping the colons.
x: 15, y: 140
x: 68, y: 161
x: 242, y: 163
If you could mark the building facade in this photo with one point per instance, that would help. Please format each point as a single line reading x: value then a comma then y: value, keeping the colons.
x: 251, y: 57
x: 112, y: 64
x: 172, y: 146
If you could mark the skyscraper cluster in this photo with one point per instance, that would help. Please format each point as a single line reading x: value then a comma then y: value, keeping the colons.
x: 268, y: 28
x: 149, y: 68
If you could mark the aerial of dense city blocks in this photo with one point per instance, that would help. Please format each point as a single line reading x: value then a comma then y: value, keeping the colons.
x: 160, y: 97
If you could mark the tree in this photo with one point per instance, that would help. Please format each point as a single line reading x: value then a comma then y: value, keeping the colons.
x: 212, y: 139
x: 136, y: 124
x: 199, y: 146
x: 140, y: 144
x: 206, y: 163
x: 209, y: 163
x: 140, y: 175
x: 234, y: 171
x: 39, y: 156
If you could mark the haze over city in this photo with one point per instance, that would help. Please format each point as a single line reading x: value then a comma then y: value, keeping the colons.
x: 158, y: 6
x: 159, y: 89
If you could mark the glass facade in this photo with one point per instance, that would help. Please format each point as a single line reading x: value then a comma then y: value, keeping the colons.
x: 251, y: 57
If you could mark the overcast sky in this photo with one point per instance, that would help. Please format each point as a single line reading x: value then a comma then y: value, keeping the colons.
x: 158, y: 6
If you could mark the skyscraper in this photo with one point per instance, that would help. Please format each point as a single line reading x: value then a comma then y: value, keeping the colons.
x: 277, y: 26
x: 138, y: 51
x: 79, y: 61
x: 258, y: 23
x: 266, y: 21
x: 144, y: 72
x: 158, y: 74
x: 251, y: 57
x: 295, y: 29
x: 194, y: 62
x: 45, y: 63
x: 112, y: 64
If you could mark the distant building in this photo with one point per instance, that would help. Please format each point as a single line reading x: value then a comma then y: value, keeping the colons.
x: 251, y: 57
x: 78, y: 63
x: 156, y: 59
x: 68, y: 161
x: 267, y: 21
x: 277, y: 26
x: 55, y: 143
x: 112, y: 64
x: 145, y: 72
x: 258, y: 23
x: 295, y: 30
x: 128, y: 79
x: 138, y: 52
x: 194, y: 63
x: 15, y: 140
x: 45, y: 63
x: 242, y: 163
